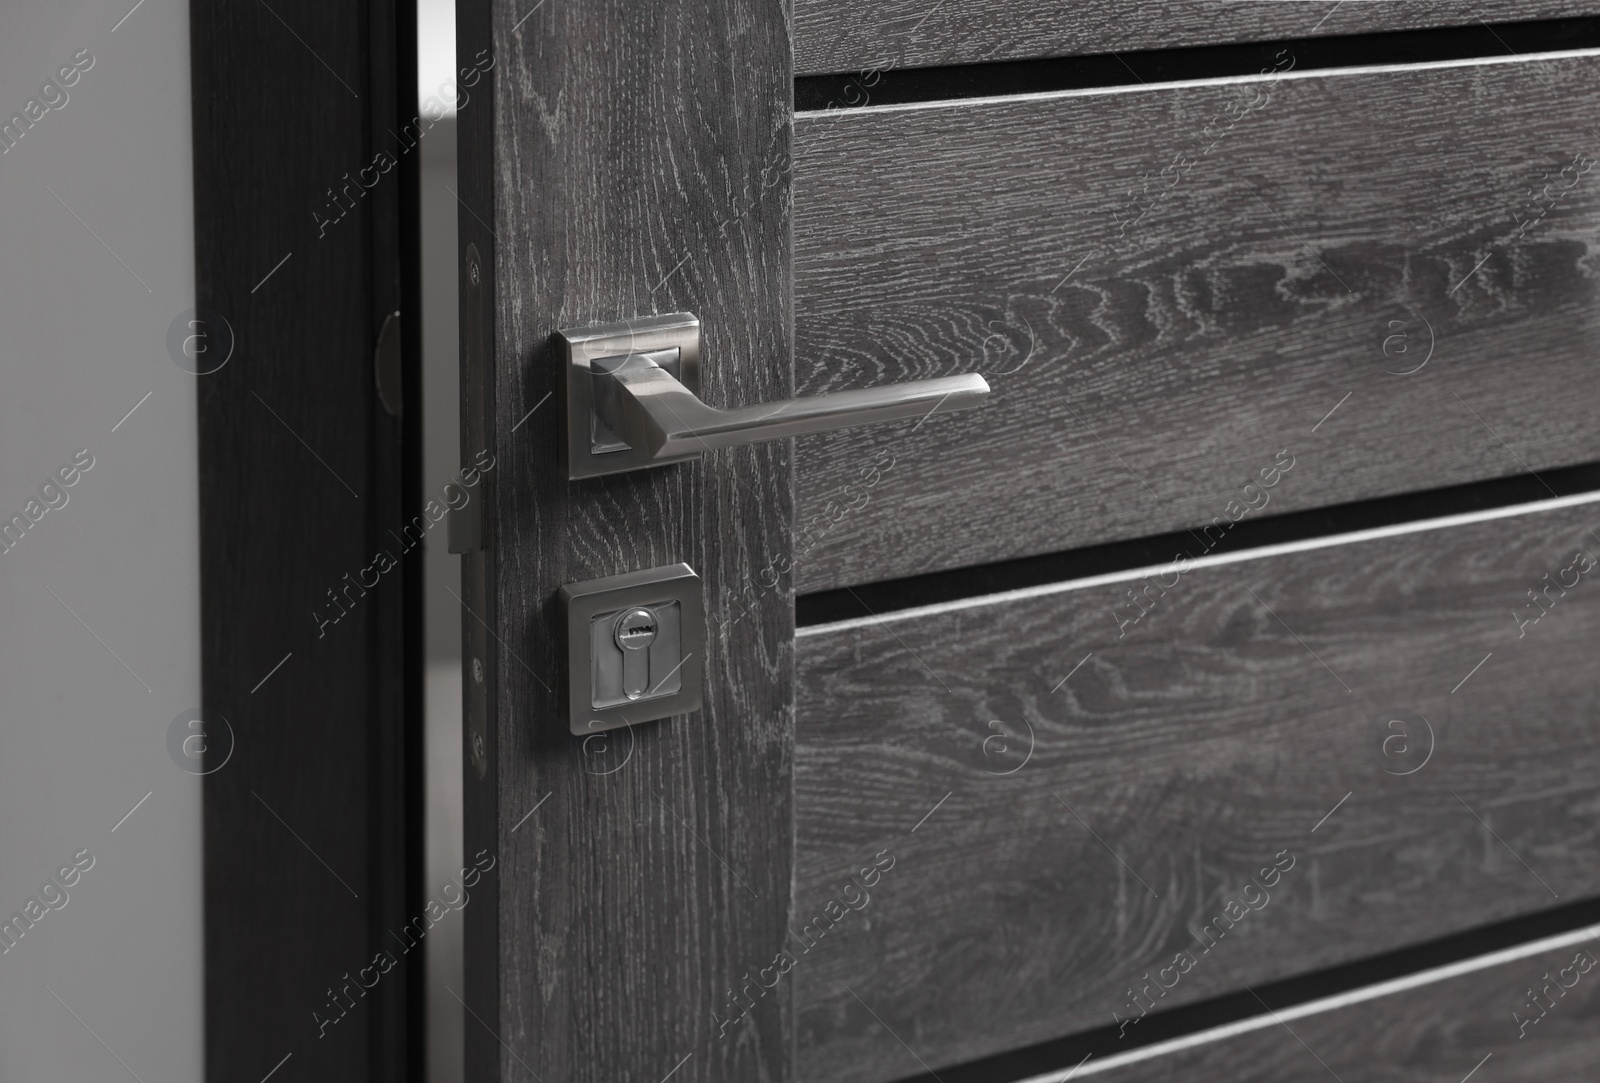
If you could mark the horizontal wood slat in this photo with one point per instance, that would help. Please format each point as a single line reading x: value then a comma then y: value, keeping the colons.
x: 1438, y: 1031
x: 1151, y: 350
x: 1067, y: 798
x: 848, y: 35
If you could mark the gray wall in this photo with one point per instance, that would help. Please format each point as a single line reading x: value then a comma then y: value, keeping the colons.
x: 96, y: 258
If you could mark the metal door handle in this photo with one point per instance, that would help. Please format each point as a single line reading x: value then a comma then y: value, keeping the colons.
x: 632, y: 400
x: 654, y: 411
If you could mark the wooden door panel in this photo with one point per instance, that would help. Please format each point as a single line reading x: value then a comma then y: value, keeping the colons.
x: 849, y: 35
x: 615, y: 162
x: 1068, y: 798
x: 943, y: 834
x: 1144, y: 349
x: 1413, y: 1033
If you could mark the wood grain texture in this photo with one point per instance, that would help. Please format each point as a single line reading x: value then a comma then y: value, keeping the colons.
x: 1096, y: 800
x: 1143, y: 374
x: 848, y: 35
x: 312, y: 841
x: 625, y: 159
x: 1433, y: 1032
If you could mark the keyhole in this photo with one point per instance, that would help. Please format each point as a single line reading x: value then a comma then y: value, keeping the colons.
x: 636, y: 629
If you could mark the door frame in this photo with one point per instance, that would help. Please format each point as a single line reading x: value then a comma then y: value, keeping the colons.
x: 312, y: 789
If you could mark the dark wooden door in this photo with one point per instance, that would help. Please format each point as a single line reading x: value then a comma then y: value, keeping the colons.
x: 1229, y: 667
x: 623, y: 160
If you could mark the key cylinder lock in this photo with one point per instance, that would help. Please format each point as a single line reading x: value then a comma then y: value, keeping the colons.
x: 634, y: 643
x: 636, y: 629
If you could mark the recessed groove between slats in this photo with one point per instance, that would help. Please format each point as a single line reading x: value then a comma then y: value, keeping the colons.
x: 1255, y: 556
x: 848, y: 35
x: 1413, y: 1033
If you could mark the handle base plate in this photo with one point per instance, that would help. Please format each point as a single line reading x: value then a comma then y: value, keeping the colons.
x: 589, y: 449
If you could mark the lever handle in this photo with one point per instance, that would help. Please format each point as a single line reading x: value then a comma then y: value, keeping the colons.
x: 633, y: 402
x: 653, y: 411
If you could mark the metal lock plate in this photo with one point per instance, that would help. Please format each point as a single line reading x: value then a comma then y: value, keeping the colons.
x: 635, y: 646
